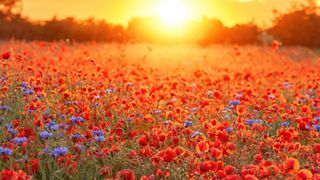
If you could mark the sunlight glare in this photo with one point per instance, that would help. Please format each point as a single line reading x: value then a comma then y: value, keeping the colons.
x: 172, y: 12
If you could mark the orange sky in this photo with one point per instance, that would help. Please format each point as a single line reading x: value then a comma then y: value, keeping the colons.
x: 120, y: 11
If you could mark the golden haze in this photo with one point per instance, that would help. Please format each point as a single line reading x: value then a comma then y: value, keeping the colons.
x: 120, y: 12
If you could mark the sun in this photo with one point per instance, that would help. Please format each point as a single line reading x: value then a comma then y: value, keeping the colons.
x: 172, y: 13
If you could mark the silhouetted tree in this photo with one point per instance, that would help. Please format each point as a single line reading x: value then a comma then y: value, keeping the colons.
x: 243, y: 34
x: 9, y: 8
x: 215, y: 32
x: 212, y: 31
x: 300, y: 26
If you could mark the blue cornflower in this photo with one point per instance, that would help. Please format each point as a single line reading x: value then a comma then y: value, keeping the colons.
x: 229, y: 129
x: 52, y: 126
x: 81, y: 147
x: 45, y: 135
x: 5, y: 151
x: 307, y: 127
x: 285, y: 124
x: 10, y: 128
x: 60, y: 135
x: 250, y: 121
x: 129, y: 119
x: 12, y: 131
x: 63, y: 126
x: 5, y: 108
x: 97, y: 132
x: 19, y: 140
x: 40, y: 96
x: 75, y: 119
x: 317, y: 127
x: 28, y: 92
x: 68, y: 103
x: 76, y: 136
x: 234, y: 103
x: 62, y: 116
x: 195, y: 109
x: 253, y: 121
x: 25, y: 85
x: 24, y: 89
x: 316, y: 118
x: 196, y: 133
x: 59, y: 151
x: 187, y: 123
x: 51, y: 123
x: 45, y: 150
x: 31, y: 110
x: 100, y: 138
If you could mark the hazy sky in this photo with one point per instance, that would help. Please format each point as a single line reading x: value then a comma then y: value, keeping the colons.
x: 120, y: 11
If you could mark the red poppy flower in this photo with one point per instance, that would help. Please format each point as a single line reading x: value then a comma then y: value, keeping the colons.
x: 250, y: 177
x: 162, y: 173
x: 216, y: 153
x: 304, y: 174
x: 10, y: 174
x: 167, y: 155
x: 291, y: 165
x: 143, y: 140
x: 205, y: 166
x: 6, y: 55
x: 126, y: 174
x: 202, y: 147
x: 105, y: 171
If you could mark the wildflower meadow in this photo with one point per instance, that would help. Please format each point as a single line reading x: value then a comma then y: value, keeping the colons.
x: 140, y: 111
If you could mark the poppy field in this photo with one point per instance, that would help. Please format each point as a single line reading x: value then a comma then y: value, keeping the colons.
x: 116, y: 111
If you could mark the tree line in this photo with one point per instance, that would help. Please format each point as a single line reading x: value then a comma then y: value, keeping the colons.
x: 299, y: 26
